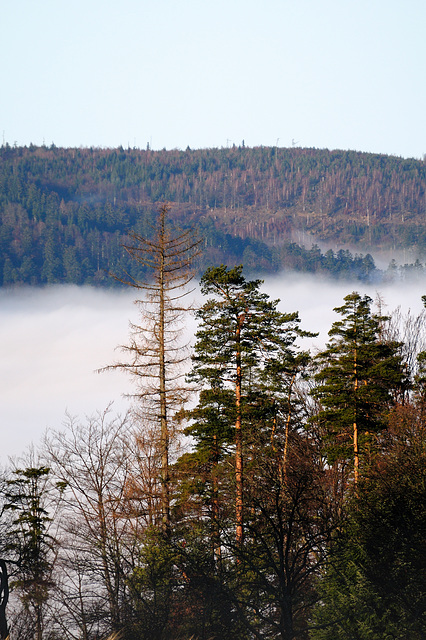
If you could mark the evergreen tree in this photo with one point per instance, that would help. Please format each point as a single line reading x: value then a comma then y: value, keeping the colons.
x: 28, y: 544
x: 201, y: 472
x: 241, y: 339
x: 374, y: 586
x: 360, y: 377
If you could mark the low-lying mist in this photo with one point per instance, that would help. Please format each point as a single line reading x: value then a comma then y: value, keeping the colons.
x: 52, y: 341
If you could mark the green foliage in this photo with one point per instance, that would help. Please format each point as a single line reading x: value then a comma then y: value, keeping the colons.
x: 151, y: 587
x: 28, y: 544
x: 374, y: 586
x: 238, y: 317
x: 266, y: 537
x: 360, y: 376
x: 28, y: 540
x: 65, y: 213
x: 244, y: 341
x: 246, y: 362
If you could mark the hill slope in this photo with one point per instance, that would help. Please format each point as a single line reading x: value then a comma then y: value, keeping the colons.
x: 64, y: 212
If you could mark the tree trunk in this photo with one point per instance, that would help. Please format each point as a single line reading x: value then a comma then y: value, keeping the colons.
x: 286, y: 435
x: 217, y: 551
x: 164, y: 437
x: 238, y: 443
x: 355, y: 423
x: 286, y: 620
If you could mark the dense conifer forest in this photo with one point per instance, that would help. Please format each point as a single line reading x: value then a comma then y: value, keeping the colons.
x: 64, y: 213
x: 269, y: 493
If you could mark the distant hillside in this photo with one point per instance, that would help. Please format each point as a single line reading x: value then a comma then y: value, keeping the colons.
x: 64, y: 212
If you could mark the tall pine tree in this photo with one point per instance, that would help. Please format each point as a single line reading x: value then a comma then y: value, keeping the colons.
x: 241, y: 341
x: 361, y: 375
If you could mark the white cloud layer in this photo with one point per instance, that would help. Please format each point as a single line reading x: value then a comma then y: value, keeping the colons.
x: 52, y: 340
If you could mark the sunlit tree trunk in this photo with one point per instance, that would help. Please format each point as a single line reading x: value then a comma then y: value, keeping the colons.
x: 355, y: 423
x: 217, y: 550
x: 239, y: 502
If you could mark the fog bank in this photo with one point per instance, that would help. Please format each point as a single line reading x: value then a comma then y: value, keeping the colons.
x: 52, y: 340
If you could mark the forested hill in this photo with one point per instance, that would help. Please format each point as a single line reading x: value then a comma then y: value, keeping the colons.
x: 64, y: 213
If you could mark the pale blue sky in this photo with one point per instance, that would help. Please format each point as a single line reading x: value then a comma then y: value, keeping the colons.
x: 323, y: 73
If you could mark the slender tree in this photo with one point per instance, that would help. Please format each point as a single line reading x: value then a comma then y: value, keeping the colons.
x: 156, y: 354
x: 28, y: 543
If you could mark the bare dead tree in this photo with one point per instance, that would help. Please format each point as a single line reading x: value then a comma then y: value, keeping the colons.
x: 409, y: 329
x: 92, y: 462
x: 156, y: 354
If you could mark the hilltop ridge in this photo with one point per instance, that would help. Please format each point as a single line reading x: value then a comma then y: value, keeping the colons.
x: 64, y: 212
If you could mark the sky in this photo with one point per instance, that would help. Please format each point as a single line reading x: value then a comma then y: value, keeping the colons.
x: 333, y: 74
x: 53, y: 340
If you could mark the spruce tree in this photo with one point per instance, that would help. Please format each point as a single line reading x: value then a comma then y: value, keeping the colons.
x: 361, y: 375
x: 27, y: 543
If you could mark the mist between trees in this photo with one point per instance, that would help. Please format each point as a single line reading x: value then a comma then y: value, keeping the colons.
x: 269, y: 493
